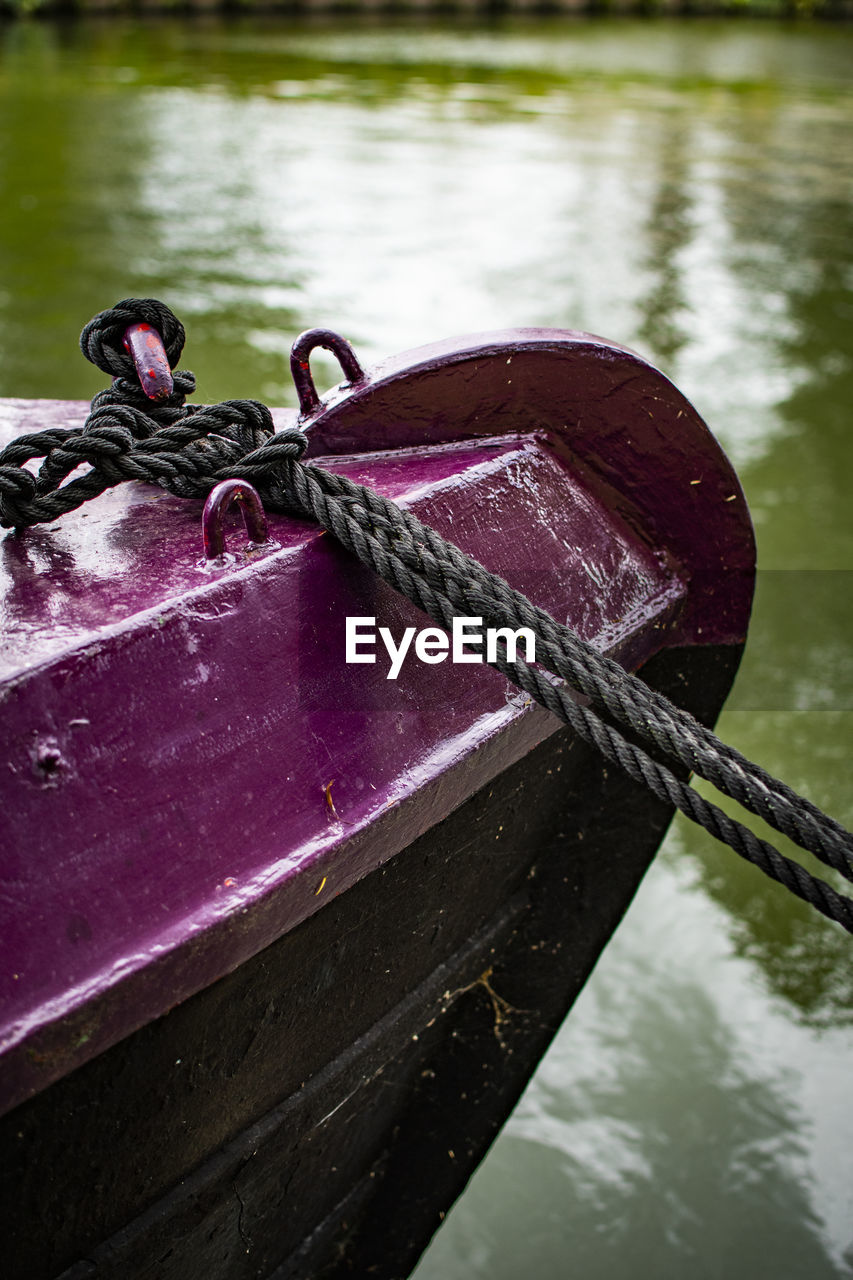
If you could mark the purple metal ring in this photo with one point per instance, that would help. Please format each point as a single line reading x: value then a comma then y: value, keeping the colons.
x: 146, y: 350
x: 218, y: 502
x: 301, y: 369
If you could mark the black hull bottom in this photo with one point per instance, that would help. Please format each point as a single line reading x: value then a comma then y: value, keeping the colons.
x: 316, y: 1113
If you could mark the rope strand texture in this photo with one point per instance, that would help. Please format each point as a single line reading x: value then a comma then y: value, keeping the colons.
x: 189, y: 449
x: 400, y: 559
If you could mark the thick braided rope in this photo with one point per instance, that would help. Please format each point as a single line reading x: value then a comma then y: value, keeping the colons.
x: 125, y: 437
x: 646, y: 711
x: 188, y: 459
x: 376, y: 548
x: 629, y: 700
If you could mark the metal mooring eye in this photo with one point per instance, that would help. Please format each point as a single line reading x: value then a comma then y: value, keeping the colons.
x: 301, y: 369
x: 145, y: 347
x: 218, y: 502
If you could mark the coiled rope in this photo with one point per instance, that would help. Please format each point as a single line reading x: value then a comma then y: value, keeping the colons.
x: 189, y: 449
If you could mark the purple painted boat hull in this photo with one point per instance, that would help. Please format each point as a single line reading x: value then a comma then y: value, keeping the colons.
x: 248, y: 885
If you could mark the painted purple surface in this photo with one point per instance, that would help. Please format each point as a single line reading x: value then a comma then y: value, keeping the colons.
x: 172, y: 733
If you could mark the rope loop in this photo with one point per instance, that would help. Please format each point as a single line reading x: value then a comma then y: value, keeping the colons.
x: 102, y: 340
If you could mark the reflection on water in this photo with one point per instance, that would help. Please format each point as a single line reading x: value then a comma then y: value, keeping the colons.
x: 681, y: 188
x: 682, y: 1123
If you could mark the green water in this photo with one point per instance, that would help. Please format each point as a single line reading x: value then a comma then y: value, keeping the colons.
x: 684, y: 188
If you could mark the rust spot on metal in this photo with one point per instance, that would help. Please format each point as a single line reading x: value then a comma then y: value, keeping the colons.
x: 327, y: 790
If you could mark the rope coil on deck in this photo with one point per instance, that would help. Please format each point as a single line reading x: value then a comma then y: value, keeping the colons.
x: 189, y: 449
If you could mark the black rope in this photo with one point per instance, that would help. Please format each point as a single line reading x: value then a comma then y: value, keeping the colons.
x: 355, y: 516
x: 189, y: 449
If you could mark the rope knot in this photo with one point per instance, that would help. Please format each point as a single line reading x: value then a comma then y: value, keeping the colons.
x: 128, y: 391
x: 17, y: 490
x: 284, y: 446
x: 248, y: 422
x: 102, y: 340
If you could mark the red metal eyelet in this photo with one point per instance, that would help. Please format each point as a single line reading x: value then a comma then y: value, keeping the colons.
x: 145, y: 347
x: 218, y: 502
x: 301, y: 369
